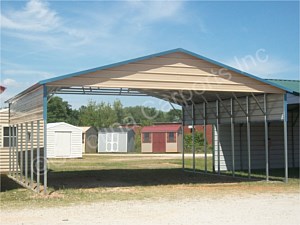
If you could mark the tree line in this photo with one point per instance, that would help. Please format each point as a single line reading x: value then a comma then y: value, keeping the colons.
x: 102, y: 115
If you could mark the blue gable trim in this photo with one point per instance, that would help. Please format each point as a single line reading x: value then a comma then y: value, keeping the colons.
x: 160, y: 54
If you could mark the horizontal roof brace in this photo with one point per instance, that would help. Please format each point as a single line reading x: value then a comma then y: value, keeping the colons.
x: 116, y: 94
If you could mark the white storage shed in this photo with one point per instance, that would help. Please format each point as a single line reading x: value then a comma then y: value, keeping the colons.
x: 64, y: 140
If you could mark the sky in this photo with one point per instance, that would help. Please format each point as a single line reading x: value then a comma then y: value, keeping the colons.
x: 44, y: 39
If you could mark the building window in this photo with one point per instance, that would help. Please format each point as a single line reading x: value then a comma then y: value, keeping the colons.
x: 6, y: 136
x: 146, y: 137
x: 171, y: 137
x: 82, y: 137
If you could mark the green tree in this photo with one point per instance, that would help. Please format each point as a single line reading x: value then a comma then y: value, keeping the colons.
x: 100, y: 115
x: 58, y: 110
x: 118, y: 108
x: 174, y: 115
x: 199, y: 141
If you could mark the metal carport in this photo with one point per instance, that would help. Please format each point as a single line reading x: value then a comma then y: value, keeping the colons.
x: 208, y: 92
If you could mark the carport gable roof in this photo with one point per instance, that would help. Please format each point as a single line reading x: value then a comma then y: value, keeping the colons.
x: 178, y: 50
x: 161, y: 84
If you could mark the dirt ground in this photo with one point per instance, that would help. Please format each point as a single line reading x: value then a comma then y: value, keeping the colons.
x: 248, y: 208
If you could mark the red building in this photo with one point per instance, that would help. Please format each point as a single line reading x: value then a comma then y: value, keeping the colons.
x: 162, y: 138
x: 198, y: 128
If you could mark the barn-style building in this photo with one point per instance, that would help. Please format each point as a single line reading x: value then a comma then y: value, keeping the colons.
x: 163, y: 138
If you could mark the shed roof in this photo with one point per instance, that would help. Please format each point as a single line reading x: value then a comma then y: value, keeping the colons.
x: 51, y: 125
x: 84, y: 129
x: 161, y: 128
x: 116, y: 130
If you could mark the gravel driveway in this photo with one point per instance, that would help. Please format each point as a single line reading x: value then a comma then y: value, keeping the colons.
x: 256, y: 209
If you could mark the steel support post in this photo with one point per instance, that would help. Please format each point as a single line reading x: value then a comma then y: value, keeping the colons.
x: 26, y: 153
x: 31, y: 155
x: 204, y: 134
x: 232, y: 137
x: 9, y: 144
x: 38, y: 158
x: 21, y: 154
x: 17, y: 150
x: 285, y: 119
x: 182, y: 108
x: 293, y: 142
x: 248, y: 137
x: 266, y: 137
x: 13, y: 151
x: 45, y: 108
x: 218, y: 136
x: 193, y: 137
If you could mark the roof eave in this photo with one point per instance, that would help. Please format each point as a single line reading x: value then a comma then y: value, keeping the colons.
x: 31, y: 88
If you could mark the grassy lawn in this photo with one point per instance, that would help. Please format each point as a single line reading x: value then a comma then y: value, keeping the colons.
x: 113, y: 177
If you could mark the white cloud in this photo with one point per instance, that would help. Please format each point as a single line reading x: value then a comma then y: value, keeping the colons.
x: 9, y: 83
x: 37, y: 22
x: 35, y: 16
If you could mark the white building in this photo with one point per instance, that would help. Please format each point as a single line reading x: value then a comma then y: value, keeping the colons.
x: 64, y: 141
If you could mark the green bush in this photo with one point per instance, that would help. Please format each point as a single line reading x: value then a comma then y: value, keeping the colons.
x: 199, y: 143
x: 137, y: 143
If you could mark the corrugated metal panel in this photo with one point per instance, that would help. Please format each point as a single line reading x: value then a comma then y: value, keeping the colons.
x: 276, y: 153
x: 274, y: 110
x: 28, y: 107
x: 290, y: 84
x: 173, y: 71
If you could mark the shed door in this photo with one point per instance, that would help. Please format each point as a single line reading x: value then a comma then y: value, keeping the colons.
x: 112, y: 140
x: 62, y: 143
x: 159, y: 142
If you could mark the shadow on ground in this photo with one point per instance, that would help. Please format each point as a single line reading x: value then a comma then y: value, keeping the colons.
x: 139, y: 177
x: 131, y: 177
x: 8, y: 184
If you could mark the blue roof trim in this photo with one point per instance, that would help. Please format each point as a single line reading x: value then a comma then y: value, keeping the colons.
x: 160, y: 54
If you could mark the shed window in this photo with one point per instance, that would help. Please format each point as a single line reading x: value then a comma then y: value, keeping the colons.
x: 171, y: 137
x: 146, y: 137
x: 82, y: 138
x: 6, y: 136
